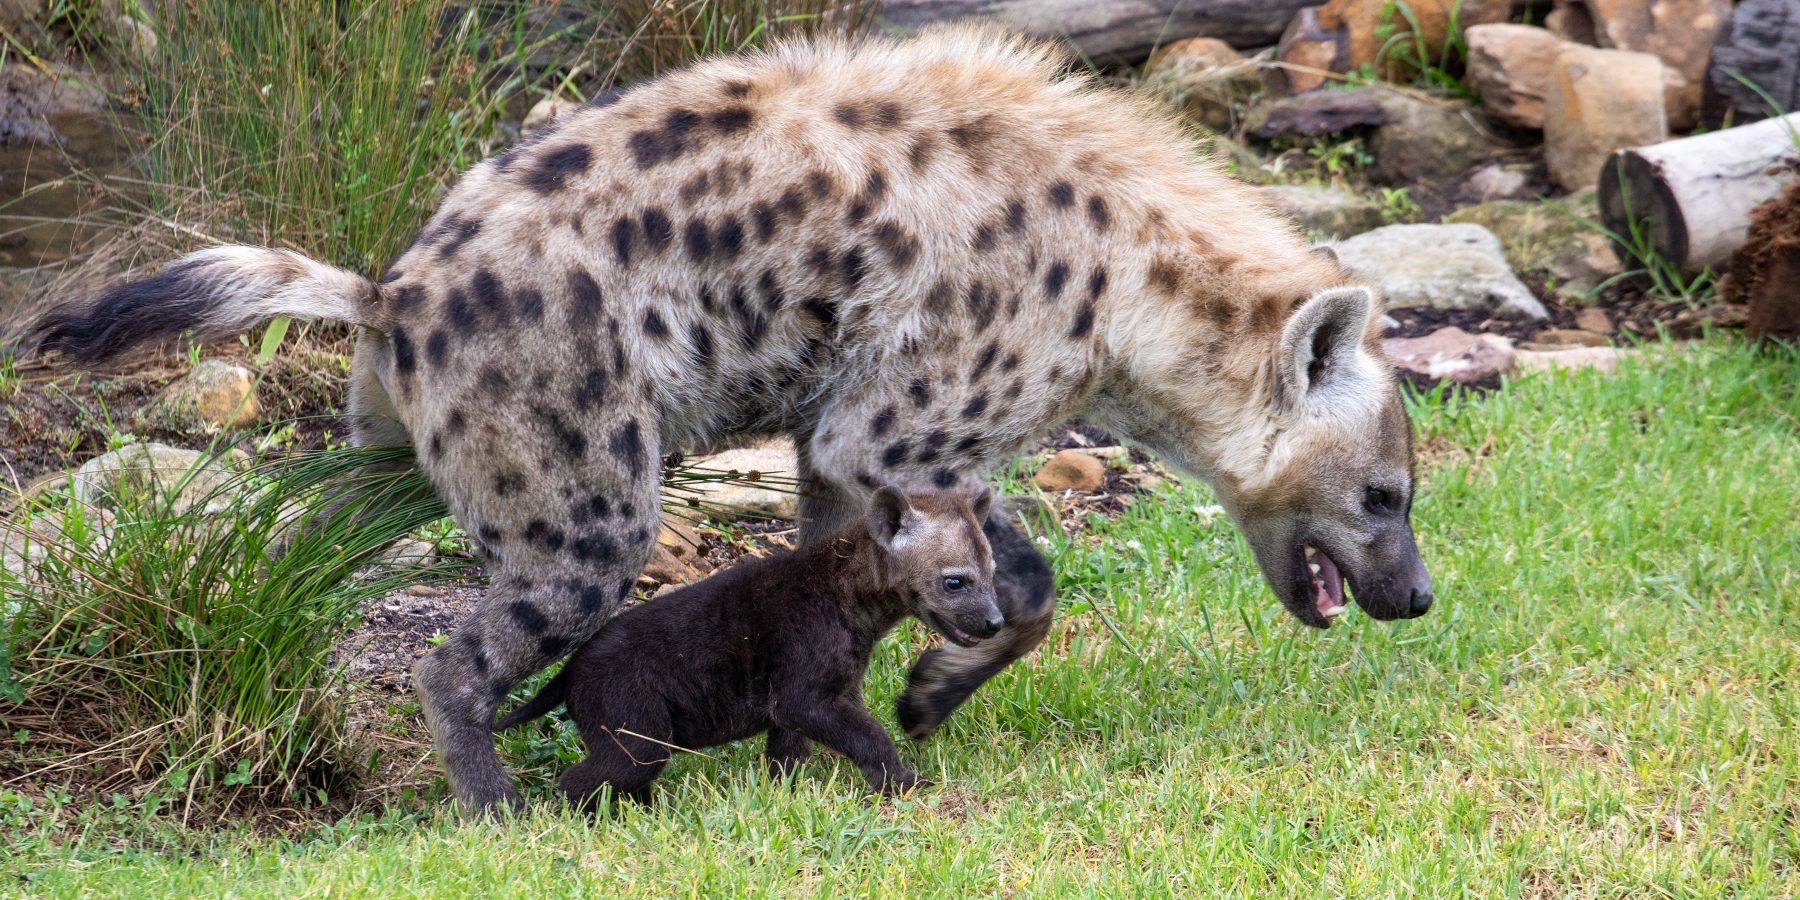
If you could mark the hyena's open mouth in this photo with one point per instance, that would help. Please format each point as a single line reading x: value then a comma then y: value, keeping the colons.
x: 1327, y: 583
x: 955, y: 635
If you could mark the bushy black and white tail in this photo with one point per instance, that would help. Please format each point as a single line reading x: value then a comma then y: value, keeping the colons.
x: 214, y: 293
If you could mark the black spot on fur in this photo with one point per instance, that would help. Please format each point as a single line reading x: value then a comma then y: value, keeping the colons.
x: 627, y: 446
x: 730, y: 236
x: 538, y: 533
x: 703, y: 344
x: 894, y: 455
x: 984, y: 360
x: 437, y: 347
x: 1084, y: 321
x: 391, y: 275
x: 552, y: 645
x: 1097, y: 283
x: 762, y: 218
x: 882, y: 423
x: 981, y: 301
x: 593, y: 599
x: 976, y: 406
x: 570, y: 440
x: 737, y: 90
x: 821, y: 309
x: 1010, y: 363
x: 899, y: 244
x: 508, y: 482
x: 1062, y: 195
x: 490, y: 297
x: 944, y: 479
x: 658, y: 230
x: 407, y: 298
x: 1098, y: 214
x: 654, y: 325
x: 887, y: 114
x: 595, y: 549
x: 1015, y: 216
x: 555, y: 167
x: 967, y: 444
x: 855, y: 267
x: 529, y: 303
x: 590, y: 392
x: 654, y: 146
x: 459, y: 231
x: 984, y: 238
x: 597, y: 507
x: 699, y: 241
x: 1054, y: 278
x: 585, y: 300
x: 919, y: 154
x: 405, y: 360
x: 624, y: 233
x: 731, y: 119
x: 848, y: 115
x: 920, y: 392
x: 528, y: 617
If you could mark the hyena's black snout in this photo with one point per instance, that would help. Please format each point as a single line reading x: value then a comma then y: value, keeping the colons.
x: 1401, y: 586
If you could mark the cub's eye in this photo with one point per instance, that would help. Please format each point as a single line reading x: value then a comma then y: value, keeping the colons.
x: 1377, y: 500
x: 954, y: 583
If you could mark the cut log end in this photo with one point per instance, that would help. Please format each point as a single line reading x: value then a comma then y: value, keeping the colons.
x: 1640, y: 211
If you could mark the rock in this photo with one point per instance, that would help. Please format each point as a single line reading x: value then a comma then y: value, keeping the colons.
x: 1572, y: 25
x: 1377, y: 34
x: 1501, y: 181
x: 1071, y: 470
x: 1600, y: 359
x: 1427, y: 140
x: 1569, y: 337
x: 214, y: 395
x: 1546, y: 240
x: 544, y: 112
x: 775, y: 458
x: 1510, y: 66
x: 1314, y: 114
x: 1680, y: 33
x: 1326, y: 211
x: 1452, y: 354
x: 409, y: 552
x: 1309, y: 53
x: 665, y: 567
x: 136, y: 38
x: 1206, y: 79
x: 1446, y: 266
x: 1757, y: 44
x: 136, y: 473
x: 1596, y: 320
x: 1599, y: 101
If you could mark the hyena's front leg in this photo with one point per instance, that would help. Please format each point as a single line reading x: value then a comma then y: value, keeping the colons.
x: 565, y: 545
x: 945, y: 676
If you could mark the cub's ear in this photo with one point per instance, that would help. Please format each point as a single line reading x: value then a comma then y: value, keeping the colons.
x: 888, y: 516
x: 1321, y: 345
x: 982, y: 502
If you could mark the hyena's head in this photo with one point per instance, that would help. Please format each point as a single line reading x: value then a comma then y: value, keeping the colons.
x: 939, y: 559
x: 1331, y: 504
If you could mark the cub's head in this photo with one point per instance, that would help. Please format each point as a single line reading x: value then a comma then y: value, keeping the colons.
x: 940, y: 559
x: 1332, y: 503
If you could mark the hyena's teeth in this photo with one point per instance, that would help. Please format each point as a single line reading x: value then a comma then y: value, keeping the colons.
x: 1334, y: 612
x: 1314, y: 567
x: 1310, y: 553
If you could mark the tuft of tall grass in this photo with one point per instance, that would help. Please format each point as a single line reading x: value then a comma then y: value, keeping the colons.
x: 325, y: 125
x: 642, y: 38
x: 185, y: 635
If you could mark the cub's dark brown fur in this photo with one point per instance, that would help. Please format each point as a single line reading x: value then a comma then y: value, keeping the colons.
x: 777, y: 645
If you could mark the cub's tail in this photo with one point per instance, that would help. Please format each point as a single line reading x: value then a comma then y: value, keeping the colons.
x: 215, y: 293
x: 546, y: 700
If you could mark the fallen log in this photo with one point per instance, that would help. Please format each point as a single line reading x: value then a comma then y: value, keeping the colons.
x: 1118, y: 32
x: 1692, y: 197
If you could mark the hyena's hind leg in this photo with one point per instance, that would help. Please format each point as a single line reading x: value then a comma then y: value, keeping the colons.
x: 945, y: 676
x: 566, y: 543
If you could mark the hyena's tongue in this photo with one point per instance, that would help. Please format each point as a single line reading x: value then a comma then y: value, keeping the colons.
x: 1328, y: 585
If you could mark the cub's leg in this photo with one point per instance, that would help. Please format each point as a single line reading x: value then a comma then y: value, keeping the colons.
x: 567, y: 520
x: 945, y: 676
x: 785, y: 750
x: 628, y: 745
x: 842, y: 722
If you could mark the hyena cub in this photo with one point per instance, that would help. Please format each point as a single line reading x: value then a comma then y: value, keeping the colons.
x: 777, y: 645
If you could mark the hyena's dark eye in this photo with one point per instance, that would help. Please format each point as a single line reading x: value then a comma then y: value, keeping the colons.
x: 1377, y: 500
x: 955, y: 583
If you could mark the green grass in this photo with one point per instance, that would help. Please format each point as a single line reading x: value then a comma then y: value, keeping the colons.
x: 1602, y: 704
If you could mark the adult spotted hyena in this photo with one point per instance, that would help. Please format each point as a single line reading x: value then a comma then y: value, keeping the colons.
x: 911, y: 256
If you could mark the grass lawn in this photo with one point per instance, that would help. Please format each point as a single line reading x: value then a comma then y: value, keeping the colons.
x: 1603, y: 703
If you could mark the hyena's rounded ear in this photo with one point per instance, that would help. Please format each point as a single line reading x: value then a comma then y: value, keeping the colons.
x: 982, y: 503
x: 1321, y: 345
x: 887, y: 516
